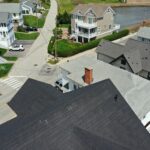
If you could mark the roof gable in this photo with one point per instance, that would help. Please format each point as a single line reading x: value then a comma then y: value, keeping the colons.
x: 98, y: 9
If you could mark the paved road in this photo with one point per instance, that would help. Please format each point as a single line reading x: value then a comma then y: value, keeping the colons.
x: 37, y: 56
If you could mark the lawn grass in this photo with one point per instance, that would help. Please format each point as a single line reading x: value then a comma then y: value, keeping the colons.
x: 4, y: 69
x: 26, y: 36
x: 2, y: 51
x: 68, y: 5
x: 66, y: 47
x: 34, y: 21
x: 10, y: 58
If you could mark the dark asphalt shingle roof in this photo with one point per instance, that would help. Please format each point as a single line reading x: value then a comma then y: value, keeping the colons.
x: 110, y: 49
x: 86, y: 119
x: 136, y: 53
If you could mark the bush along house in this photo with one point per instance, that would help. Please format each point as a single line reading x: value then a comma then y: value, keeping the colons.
x: 91, y: 21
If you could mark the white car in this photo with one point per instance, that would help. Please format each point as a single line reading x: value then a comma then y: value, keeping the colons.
x: 146, y: 121
x: 16, y: 48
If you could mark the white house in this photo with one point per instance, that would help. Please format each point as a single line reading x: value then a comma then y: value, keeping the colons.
x: 7, y: 35
x: 15, y: 10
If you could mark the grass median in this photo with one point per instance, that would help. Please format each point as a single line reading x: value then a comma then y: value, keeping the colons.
x: 4, y: 69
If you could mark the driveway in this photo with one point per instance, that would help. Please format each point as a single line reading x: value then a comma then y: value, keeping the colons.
x: 36, y: 58
x: 26, y: 44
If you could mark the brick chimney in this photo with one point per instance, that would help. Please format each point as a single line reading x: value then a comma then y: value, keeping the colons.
x: 88, y: 76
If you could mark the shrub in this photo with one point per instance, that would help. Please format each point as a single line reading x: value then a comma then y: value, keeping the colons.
x: 51, y: 45
x: 26, y: 36
x: 34, y: 21
x: 21, y: 29
x: 64, y: 18
x: 57, y: 33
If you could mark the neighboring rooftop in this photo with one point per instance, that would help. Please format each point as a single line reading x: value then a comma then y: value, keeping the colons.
x: 137, y: 53
x: 94, y: 117
x: 133, y: 88
x: 144, y: 32
x: 30, y: 4
x: 10, y: 7
x: 98, y: 9
x: 4, y: 17
x: 110, y: 49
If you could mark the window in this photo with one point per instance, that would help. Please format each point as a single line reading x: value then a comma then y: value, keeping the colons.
x: 66, y: 86
x: 90, y: 20
x: 4, y: 34
x: 123, y: 61
x: 75, y: 87
x: 80, y: 18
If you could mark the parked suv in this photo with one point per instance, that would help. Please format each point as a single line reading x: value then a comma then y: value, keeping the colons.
x: 16, y: 48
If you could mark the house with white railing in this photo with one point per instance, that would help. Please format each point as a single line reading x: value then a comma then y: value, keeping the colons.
x: 91, y: 21
x: 7, y: 35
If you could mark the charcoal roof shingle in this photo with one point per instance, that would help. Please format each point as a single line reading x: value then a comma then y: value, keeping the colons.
x: 136, y: 52
x: 86, y: 119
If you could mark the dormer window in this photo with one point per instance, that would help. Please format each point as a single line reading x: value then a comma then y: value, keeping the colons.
x: 80, y: 18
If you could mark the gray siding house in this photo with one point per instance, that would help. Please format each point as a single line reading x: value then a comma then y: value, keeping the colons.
x: 91, y: 21
x: 133, y: 57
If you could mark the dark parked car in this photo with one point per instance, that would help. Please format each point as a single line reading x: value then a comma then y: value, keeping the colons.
x: 30, y: 29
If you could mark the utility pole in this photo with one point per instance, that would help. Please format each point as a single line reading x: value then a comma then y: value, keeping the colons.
x: 37, y: 22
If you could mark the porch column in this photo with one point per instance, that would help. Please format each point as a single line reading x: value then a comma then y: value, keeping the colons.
x: 82, y: 40
x: 89, y: 35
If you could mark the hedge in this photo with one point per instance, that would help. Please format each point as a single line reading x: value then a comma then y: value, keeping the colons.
x: 67, y: 48
x: 26, y: 36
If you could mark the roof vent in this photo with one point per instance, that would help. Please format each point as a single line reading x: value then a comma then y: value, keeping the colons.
x: 116, y: 98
